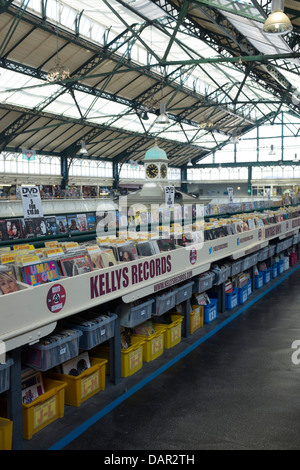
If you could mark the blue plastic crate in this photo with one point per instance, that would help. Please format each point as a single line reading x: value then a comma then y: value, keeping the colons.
x: 232, y: 299
x: 249, y: 287
x: 243, y: 294
x: 259, y: 280
x: 274, y: 271
x: 280, y: 267
x: 210, y: 311
x: 266, y: 275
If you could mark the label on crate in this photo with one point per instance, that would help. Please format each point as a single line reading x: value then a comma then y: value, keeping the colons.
x: 90, y: 384
x: 157, y: 345
x: 175, y: 333
x: 135, y: 358
x: 56, y: 298
x: 44, y: 412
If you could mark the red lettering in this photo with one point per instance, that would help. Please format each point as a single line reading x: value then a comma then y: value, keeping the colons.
x: 125, y: 276
x: 140, y: 267
x: 152, y: 268
x: 134, y: 274
x: 101, y: 284
x: 146, y: 270
x: 108, y: 289
x: 157, y: 264
x: 93, y: 284
x: 169, y: 266
x: 118, y: 276
x: 163, y: 265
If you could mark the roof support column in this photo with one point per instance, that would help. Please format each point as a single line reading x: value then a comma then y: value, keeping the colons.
x: 64, y: 169
x: 183, y: 186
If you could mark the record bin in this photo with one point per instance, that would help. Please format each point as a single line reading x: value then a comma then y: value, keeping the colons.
x: 172, y: 331
x: 5, y: 375
x: 80, y: 388
x: 164, y: 302
x: 45, y: 409
x: 96, y: 333
x: 6, y: 428
x: 132, y: 315
x: 184, y: 292
x: 46, y: 356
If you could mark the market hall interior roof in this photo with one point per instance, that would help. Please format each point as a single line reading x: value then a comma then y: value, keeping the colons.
x: 107, y: 72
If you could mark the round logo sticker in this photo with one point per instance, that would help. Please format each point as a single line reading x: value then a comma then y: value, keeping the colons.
x: 56, y: 298
x: 193, y: 255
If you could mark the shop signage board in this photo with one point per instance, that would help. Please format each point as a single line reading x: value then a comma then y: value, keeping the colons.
x: 29, y: 314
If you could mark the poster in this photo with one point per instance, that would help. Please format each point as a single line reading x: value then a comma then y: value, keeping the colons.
x: 31, y: 200
x: 169, y: 196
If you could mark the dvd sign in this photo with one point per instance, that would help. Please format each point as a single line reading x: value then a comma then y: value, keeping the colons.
x: 31, y: 200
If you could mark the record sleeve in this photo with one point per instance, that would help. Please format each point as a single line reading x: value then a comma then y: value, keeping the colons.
x: 127, y: 252
x: 3, y: 230
x: 40, y: 273
x: 91, y: 220
x: 62, y: 223
x: 108, y: 258
x: 51, y: 225
x: 82, y: 223
x: 73, y: 223
x: 14, y: 229
x: 74, y: 265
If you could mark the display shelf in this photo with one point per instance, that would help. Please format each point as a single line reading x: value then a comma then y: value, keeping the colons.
x: 25, y: 314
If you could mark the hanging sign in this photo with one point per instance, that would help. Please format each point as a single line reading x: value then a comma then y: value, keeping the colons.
x: 28, y: 155
x: 230, y: 194
x: 169, y: 196
x: 31, y: 200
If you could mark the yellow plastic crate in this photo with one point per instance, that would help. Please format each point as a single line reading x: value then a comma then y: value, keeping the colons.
x: 172, y: 332
x: 131, y: 358
x: 85, y: 385
x: 153, y: 346
x: 196, y: 318
x: 6, y: 427
x: 45, y: 409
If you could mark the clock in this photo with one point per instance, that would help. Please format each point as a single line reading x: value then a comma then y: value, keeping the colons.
x: 163, y: 171
x: 152, y: 170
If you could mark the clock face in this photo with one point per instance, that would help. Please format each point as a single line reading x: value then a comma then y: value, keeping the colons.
x: 152, y: 170
x: 163, y: 171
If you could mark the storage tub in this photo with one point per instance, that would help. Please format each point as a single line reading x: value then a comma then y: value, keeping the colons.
x: 153, y: 345
x: 263, y: 254
x: 172, y: 332
x: 6, y: 427
x: 5, y: 375
x: 210, y: 311
x: 221, y: 275
x: 243, y: 294
x: 236, y: 267
x: 184, y: 292
x: 136, y: 314
x: 131, y: 358
x: 45, y: 409
x: 280, y: 266
x: 274, y: 271
x: 259, y: 280
x: 96, y: 334
x: 44, y: 357
x: 231, y: 299
x: 266, y: 275
x: 203, y: 282
x: 164, y: 303
x: 272, y: 249
x: 196, y: 318
x: 85, y: 385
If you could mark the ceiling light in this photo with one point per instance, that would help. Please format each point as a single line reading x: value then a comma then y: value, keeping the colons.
x: 162, y: 118
x: 278, y: 22
x: 145, y: 116
x: 189, y: 163
x: 272, y: 151
x: 234, y: 138
x: 296, y: 158
x: 83, y: 150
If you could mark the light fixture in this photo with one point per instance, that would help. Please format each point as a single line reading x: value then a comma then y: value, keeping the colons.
x: 234, y: 138
x: 83, y: 150
x: 272, y: 151
x: 278, y: 22
x: 162, y: 118
x: 189, y: 163
x: 296, y: 158
x: 145, y: 116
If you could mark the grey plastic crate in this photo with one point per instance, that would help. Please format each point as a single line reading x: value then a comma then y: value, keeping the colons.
x: 184, y: 292
x: 221, y: 275
x: 236, y: 267
x: 95, y: 334
x: 164, y: 302
x: 279, y: 247
x: 132, y: 316
x: 296, y: 239
x: 272, y: 249
x: 288, y: 243
x: 5, y: 375
x: 203, y: 282
x: 46, y: 356
x: 263, y: 254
